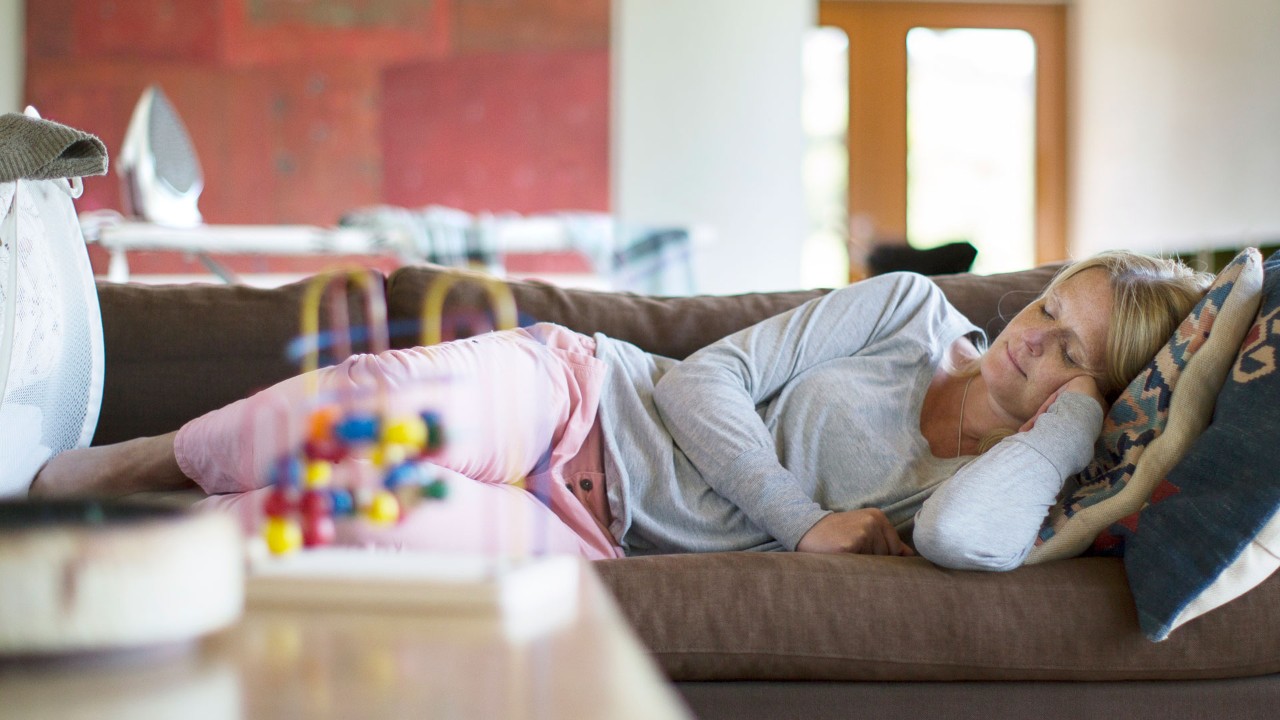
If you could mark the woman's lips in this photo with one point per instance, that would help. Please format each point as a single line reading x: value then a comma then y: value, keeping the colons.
x: 1012, y: 361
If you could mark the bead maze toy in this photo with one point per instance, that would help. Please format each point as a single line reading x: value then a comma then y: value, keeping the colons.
x: 305, y: 501
x: 521, y: 592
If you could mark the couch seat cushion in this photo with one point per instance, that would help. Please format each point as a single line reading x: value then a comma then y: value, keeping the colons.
x: 795, y: 616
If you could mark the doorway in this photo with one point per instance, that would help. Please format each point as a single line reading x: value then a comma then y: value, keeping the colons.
x: 956, y: 128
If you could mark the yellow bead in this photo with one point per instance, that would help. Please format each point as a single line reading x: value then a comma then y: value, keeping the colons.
x: 389, y: 455
x: 318, y: 474
x: 383, y: 508
x: 283, y: 535
x: 410, y: 431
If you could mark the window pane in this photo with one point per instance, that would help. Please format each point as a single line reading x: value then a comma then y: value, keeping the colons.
x: 971, y: 143
x: 825, y: 258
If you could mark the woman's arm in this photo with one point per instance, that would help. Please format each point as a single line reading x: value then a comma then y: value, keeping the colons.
x: 987, y: 516
x: 709, y: 402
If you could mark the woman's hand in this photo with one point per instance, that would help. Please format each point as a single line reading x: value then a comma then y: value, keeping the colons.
x: 865, y: 531
x: 1083, y: 384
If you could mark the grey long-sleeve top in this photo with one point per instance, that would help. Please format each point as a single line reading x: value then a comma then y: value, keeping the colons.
x: 752, y: 440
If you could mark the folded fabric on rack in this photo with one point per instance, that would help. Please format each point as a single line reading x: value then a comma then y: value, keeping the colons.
x: 655, y: 262
x: 36, y: 149
x: 439, y: 235
x: 647, y: 260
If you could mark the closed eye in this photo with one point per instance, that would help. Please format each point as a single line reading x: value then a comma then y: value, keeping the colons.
x: 1066, y: 356
x: 1066, y: 352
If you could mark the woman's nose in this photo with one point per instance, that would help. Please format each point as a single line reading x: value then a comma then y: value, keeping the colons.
x: 1035, y: 341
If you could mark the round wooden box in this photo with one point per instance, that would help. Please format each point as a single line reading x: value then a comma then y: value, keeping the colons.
x: 86, y: 575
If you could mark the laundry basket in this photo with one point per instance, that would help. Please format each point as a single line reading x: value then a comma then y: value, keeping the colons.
x: 51, y: 355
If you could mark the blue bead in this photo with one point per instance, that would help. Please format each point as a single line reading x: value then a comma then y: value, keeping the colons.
x: 343, y: 503
x: 286, y: 472
x: 402, y: 474
x: 357, y: 429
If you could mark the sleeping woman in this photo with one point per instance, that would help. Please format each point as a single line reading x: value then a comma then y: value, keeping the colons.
x: 875, y: 419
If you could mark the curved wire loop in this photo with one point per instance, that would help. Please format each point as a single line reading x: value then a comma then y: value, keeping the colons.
x: 501, y: 301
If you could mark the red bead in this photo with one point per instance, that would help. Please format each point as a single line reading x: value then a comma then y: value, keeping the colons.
x: 325, y: 449
x: 316, y: 502
x: 317, y: 530
x: 279, y: 503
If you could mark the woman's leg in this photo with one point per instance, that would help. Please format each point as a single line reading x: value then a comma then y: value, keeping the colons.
x: 491, y: 390
x: 112, y: 470
x: 505, y: 400
x: 516, y: 407
x: 514, y: 404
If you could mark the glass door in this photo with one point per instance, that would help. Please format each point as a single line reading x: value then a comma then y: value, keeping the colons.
x: 956, y: 128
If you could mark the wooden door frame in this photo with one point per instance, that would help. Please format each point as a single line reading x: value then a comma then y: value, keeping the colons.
x: 878, y: 131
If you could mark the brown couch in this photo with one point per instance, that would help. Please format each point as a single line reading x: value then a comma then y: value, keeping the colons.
x: 776, y: 635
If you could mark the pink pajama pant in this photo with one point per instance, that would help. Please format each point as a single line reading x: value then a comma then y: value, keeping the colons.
x: 518, y: 404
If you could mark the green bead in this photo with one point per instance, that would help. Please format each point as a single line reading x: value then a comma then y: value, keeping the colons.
x: 436, y: 490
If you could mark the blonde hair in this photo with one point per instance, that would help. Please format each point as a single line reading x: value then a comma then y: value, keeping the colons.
x: 1150, y: 296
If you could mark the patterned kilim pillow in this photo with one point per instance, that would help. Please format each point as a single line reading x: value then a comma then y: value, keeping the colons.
x: 1149, y: 428
x: 1211, y: 532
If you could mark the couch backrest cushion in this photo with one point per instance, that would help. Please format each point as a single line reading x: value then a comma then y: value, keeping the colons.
x: 677, y: 326
x: 175, y: 352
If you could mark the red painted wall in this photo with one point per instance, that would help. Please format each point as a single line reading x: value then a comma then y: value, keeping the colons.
x: 522, y: 131
x: 302, y: 109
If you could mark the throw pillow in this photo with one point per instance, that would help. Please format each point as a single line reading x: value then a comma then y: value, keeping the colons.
x: 1149, y: 427
x: 1211, y: 532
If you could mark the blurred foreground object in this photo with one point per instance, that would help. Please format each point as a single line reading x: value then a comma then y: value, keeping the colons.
x: 85, y: 576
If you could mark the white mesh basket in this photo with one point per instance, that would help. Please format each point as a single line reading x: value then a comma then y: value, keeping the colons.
x: 51, y: 356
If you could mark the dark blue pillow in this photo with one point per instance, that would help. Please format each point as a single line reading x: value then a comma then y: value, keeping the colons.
x: 1211, y: 531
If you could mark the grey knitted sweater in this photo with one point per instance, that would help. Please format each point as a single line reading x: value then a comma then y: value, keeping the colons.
x: 750, y: 441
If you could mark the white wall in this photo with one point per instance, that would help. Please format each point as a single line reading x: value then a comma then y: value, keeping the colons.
x: 12, y: 47
x: 707, y: 130
x: 1176, y: 124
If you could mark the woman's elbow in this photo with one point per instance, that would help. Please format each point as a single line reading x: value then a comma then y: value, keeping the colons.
x: 960, y: 546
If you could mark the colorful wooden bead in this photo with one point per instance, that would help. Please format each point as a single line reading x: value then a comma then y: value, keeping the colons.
x: 329, y: 449
x: 435, y: 490
x: 282, y: 535
x: 286, y: 472
x: 409, y: 431
x: 406, y: 473
x: 383, y: 508
x: 315, y: 503
x: 343, y: 503
x: 279, y: 502
x: 319, y: 473
x: 357, y: 429
x: 388, y: 455
x: 318, y: 530
x: 435, y: 431
x: 321, y: 422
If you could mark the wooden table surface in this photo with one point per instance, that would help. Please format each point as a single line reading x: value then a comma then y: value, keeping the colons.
x: 332, y: 662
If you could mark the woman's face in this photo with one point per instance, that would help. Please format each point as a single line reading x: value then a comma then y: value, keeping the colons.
x: 1058, y: 337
